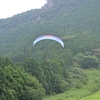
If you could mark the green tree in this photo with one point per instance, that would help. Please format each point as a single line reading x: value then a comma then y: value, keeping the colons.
x: 54, y: 76
x: 16, y: 84
x: 33, y: 67
x: 32, y: 90
x: 89, y: 62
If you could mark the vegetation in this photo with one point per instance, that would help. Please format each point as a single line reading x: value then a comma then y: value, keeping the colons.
x: 15, y: 84
x: 88, y: 91
x: 48, y: 71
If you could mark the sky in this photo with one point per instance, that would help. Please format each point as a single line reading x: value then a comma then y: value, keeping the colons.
x: 8, y: 8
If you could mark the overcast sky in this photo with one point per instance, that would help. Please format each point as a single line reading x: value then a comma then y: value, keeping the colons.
x: 8, y: 8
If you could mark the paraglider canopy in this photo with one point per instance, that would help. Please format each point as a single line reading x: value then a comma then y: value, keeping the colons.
x: 51, y: 37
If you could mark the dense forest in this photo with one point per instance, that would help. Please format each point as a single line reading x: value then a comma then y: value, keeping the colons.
x: 32, y: 73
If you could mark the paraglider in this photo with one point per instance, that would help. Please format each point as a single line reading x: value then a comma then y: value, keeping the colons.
x: 51, y: 37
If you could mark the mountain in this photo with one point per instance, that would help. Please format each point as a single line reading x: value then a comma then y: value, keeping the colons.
x: 76, y: 22
x: 29, y: 72
x: 70, y: 13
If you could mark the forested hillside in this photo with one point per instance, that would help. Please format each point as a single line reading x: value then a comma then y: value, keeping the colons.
x: 50, y: 68
x: 72, y: 20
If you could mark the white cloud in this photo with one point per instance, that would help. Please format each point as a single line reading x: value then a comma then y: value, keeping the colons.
x: 9, y: 8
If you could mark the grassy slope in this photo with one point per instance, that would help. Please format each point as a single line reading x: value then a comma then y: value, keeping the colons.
x: 95, y: 96
x: 88, y: 92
